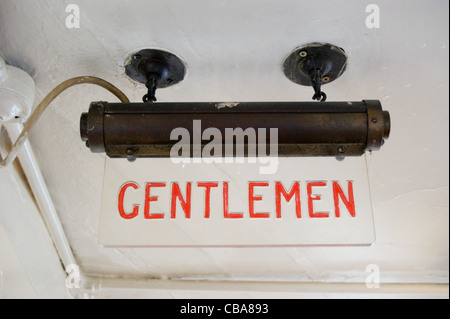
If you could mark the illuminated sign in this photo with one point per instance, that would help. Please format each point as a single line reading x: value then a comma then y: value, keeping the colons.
x: 309, y: 201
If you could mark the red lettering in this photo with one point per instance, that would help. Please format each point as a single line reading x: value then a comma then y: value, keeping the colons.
x: 149, y: 199
x: 252, y: 198
x: 185, y: 204
x: 226, y: 214
x: 295, y: 191
x: 312, y: 198
x: 121, y: 196
x: 208, y: 187
x: 349, y: 203
x: 339, y: 197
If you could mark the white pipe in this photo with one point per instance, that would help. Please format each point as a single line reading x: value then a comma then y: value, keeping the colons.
x: 16, y: 96
x: 42, y: 195
x: 124, y: 288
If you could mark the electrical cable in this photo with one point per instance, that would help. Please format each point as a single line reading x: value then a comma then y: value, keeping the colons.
x: 9, y: 158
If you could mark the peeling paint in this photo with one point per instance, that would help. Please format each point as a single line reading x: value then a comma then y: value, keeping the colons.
x: 226, y: 104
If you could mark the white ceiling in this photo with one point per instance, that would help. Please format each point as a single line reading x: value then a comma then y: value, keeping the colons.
x: 233, y: 51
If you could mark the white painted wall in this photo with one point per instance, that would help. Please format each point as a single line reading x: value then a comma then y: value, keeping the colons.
x: 233, y: 50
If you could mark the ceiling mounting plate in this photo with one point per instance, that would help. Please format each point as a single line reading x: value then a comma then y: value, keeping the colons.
x: 300, y: 64
x: 142, y: 65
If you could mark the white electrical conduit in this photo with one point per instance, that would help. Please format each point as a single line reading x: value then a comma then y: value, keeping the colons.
x: 41, y: 194
x: 22, y: 149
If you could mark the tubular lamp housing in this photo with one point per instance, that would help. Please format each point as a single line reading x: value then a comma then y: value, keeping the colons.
x: 304, y: 128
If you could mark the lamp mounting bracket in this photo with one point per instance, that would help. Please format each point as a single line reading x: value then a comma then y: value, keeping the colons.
x: 156, y: 69
x: 315, y: 64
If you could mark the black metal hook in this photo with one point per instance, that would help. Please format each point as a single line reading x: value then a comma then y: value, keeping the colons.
x: 316, y: 82
x: 321, y: 98
x: 151, y: 85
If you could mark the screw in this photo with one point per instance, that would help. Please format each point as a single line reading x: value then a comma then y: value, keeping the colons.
x: 130, y: 156
x: 303, y: 54
x: 374, y: 120
x: 341, y: 149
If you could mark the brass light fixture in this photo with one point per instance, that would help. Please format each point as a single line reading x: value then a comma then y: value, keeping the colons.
x: 143, y: 129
